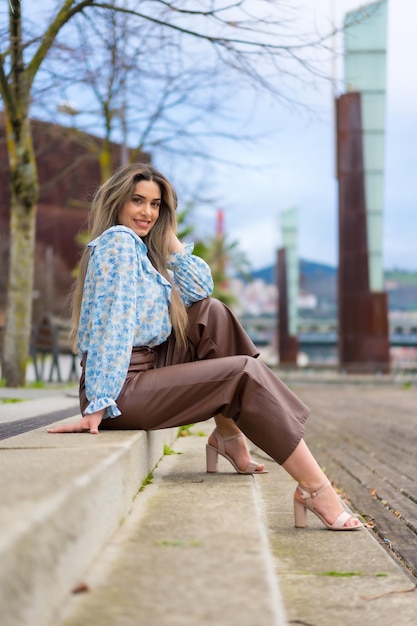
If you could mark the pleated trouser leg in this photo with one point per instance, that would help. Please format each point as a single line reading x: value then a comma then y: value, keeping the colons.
x: 216, y: 374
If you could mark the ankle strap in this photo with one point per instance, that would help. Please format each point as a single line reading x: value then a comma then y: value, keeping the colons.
x: 221, y: 440
x: 232, y: 437
x: 312, y: 494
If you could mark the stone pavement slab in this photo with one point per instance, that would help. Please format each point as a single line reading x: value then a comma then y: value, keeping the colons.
x: 214, y: 549
x: 193, y: 552
x: 222, y: 549
x: 332, y: 578
x: 25, y: 402
x: 62, y: 498
x: 366, y: 438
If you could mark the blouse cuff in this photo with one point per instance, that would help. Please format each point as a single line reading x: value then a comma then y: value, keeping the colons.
x: 103, y: 403
x: 175, y: 259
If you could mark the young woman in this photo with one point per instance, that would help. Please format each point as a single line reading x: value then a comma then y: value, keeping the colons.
x: 157, y: 351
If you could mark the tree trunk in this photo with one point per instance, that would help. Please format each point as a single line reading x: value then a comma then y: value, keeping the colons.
x: 24, y: 196
x: 105, y: 160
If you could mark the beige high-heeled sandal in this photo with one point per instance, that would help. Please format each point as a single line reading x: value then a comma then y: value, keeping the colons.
x: 300, y: 511
x: 212, y: 456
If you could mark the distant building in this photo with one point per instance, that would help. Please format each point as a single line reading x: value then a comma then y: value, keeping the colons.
x: 255, y: 297
x: 258, y: 297
x: 307, y: 301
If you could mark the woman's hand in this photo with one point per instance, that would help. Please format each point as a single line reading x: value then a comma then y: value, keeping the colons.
x: 175, y: 244
x: 89, y: 423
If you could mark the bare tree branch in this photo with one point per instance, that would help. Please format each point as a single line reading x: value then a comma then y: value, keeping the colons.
x: 64, y: 15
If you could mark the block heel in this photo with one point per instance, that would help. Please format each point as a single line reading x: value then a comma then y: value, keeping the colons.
x: 212, y: 455
x: 300, y: 514
x: 212, y: 459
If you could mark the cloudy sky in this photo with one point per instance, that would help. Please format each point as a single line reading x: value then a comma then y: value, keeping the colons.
x: 294, y: 164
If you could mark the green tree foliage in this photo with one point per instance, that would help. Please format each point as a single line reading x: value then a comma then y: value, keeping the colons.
x: 223, y: 256
x: 225, y: 260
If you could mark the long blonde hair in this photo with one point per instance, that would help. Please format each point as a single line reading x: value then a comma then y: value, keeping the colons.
x: 107, y: 202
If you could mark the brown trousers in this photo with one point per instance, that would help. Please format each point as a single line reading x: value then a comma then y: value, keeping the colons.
x: 217, y: 374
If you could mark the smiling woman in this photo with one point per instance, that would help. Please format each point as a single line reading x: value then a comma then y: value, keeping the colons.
x: 158, y: 352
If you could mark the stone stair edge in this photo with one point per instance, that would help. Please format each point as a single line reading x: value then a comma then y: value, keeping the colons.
x: 43, y: 557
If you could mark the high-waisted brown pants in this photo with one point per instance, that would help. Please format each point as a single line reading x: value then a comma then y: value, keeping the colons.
x: 217, y: 374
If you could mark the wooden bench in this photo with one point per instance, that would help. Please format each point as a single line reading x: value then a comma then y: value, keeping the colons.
x: 50, y: 337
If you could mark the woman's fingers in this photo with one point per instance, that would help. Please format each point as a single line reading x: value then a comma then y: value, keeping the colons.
x: 70, y: 428
x: 86, y: 424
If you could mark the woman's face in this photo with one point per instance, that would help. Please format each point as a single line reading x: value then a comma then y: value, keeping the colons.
x: 142, y: 210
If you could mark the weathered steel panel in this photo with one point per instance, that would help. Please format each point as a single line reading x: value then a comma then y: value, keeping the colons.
x: 289, y: 236
x: 287, y: 344
x: 363, y: 315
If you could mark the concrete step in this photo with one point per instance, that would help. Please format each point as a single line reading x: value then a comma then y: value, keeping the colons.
x: 202, y: 549
x: 192, y: 549
x: 193, y: 552
x: 62, y: 499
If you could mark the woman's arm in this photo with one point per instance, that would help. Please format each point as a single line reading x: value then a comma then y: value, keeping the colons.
x: 109, y: 317
x: 192, y: 275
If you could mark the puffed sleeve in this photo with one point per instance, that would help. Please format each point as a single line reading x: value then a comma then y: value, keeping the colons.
x: 112, y: 268
x: 191, y: 274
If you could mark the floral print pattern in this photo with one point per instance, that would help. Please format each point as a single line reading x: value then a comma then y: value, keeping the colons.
x: 126, y: 304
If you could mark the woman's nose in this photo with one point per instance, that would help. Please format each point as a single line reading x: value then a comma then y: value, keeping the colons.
x: 146, y: 208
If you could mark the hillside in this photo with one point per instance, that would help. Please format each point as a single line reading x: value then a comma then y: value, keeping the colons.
x: 402, y: 290
x: 321, y: 280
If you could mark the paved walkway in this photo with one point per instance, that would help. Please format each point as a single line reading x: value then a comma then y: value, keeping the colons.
x: 366, y: 437
x: 197, y: 552
x: 201, y: 550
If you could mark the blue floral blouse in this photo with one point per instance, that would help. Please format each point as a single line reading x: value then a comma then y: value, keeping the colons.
x: 125, y: 304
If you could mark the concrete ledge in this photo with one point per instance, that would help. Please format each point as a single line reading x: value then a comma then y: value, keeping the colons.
x: 63, y: 497
x: 193, y: 552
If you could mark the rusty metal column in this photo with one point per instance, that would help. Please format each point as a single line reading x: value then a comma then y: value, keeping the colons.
x: 363, y: 315
x: 287, y: 344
